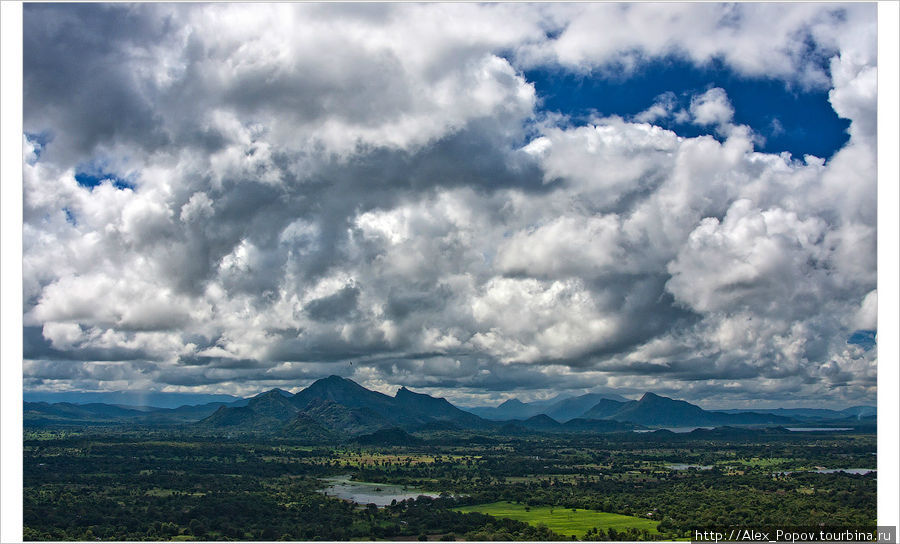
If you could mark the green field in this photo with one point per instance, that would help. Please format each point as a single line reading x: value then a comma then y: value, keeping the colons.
x: 562, y: 520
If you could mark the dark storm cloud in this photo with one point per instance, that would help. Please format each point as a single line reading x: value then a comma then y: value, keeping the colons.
x: 405, y: 301
x: 327, y: 346
x: 696, y: 369
x: 96, y: 100
x: 336, y: 306
x: 218, y: 362
x: 36, y: 346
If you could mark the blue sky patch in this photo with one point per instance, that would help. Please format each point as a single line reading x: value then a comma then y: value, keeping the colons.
x: 800, y: 122
x: 92, y: 180
x: 864, y: 338
x: 70, y: 217
x: 39, y: 140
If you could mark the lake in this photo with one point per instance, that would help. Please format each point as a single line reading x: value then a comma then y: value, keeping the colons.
x: 682, y: 466
x: 343, y: 487
x: 830, y: 471
x: 847, y: 470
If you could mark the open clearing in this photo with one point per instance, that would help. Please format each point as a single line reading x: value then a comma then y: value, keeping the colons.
x: 562, y: 520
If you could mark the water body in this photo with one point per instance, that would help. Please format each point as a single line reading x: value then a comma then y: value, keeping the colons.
x: 847, y: 470
x: 343, y: 487
x: 682, y: 466
x: 817, y: 429
x: 830, y: 471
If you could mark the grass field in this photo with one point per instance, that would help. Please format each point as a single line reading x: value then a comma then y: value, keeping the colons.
x: 562, y: 520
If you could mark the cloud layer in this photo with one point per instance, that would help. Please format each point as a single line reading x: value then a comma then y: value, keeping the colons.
x: 291, y: 187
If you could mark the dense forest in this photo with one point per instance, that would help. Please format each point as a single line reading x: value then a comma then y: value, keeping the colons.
x: 109, y: 484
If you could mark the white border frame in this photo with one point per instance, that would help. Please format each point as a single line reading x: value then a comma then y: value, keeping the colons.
x: 888, y: 263
x: 11, y: 271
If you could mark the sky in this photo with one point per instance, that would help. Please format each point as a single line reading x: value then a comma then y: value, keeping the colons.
x: 474, y: 201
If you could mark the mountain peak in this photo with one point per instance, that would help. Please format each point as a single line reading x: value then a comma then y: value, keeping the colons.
x: 511, y: 403
x: 403, y: 392
x: 605, y: 408
x: 573, y: 407
x: 335, y: 381
x: 648, y: 396
x: 274, y: 393
x: 342, y: 391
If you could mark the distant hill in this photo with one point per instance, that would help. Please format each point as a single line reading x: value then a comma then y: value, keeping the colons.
x: 344, y: 392
x: 435, y: 409
x: 406, y: 409
x: 153, y: 399
x: 437, y: 426
x: 264, y: 412
x: 653, y: 410
x: 305, y: 428
x: 546, y: 424
x: 283, y: 393
x: 540, y: 422
x: 346, y: 408
x: 860, y: 411
x: 752, y: 418
x: 812, y: 414
x: 240, y: 418
x: 273, y: 404
x: 347, y: 421
x: 567, y: 409
x: 508, y: 410
x: 559, y: 408
x: 182, y: 414
x: 388, y: 437
x: 66, y: 413
x: 605, y: 408
x: 336, y: 408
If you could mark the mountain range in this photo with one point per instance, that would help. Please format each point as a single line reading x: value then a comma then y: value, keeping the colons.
x: 341, y: 406
x: 815, y: 414
x: 131, y: 399
x: 559, y: 408
x: 336, y: 409
x: 658, y: 411
x: 37, y: 414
